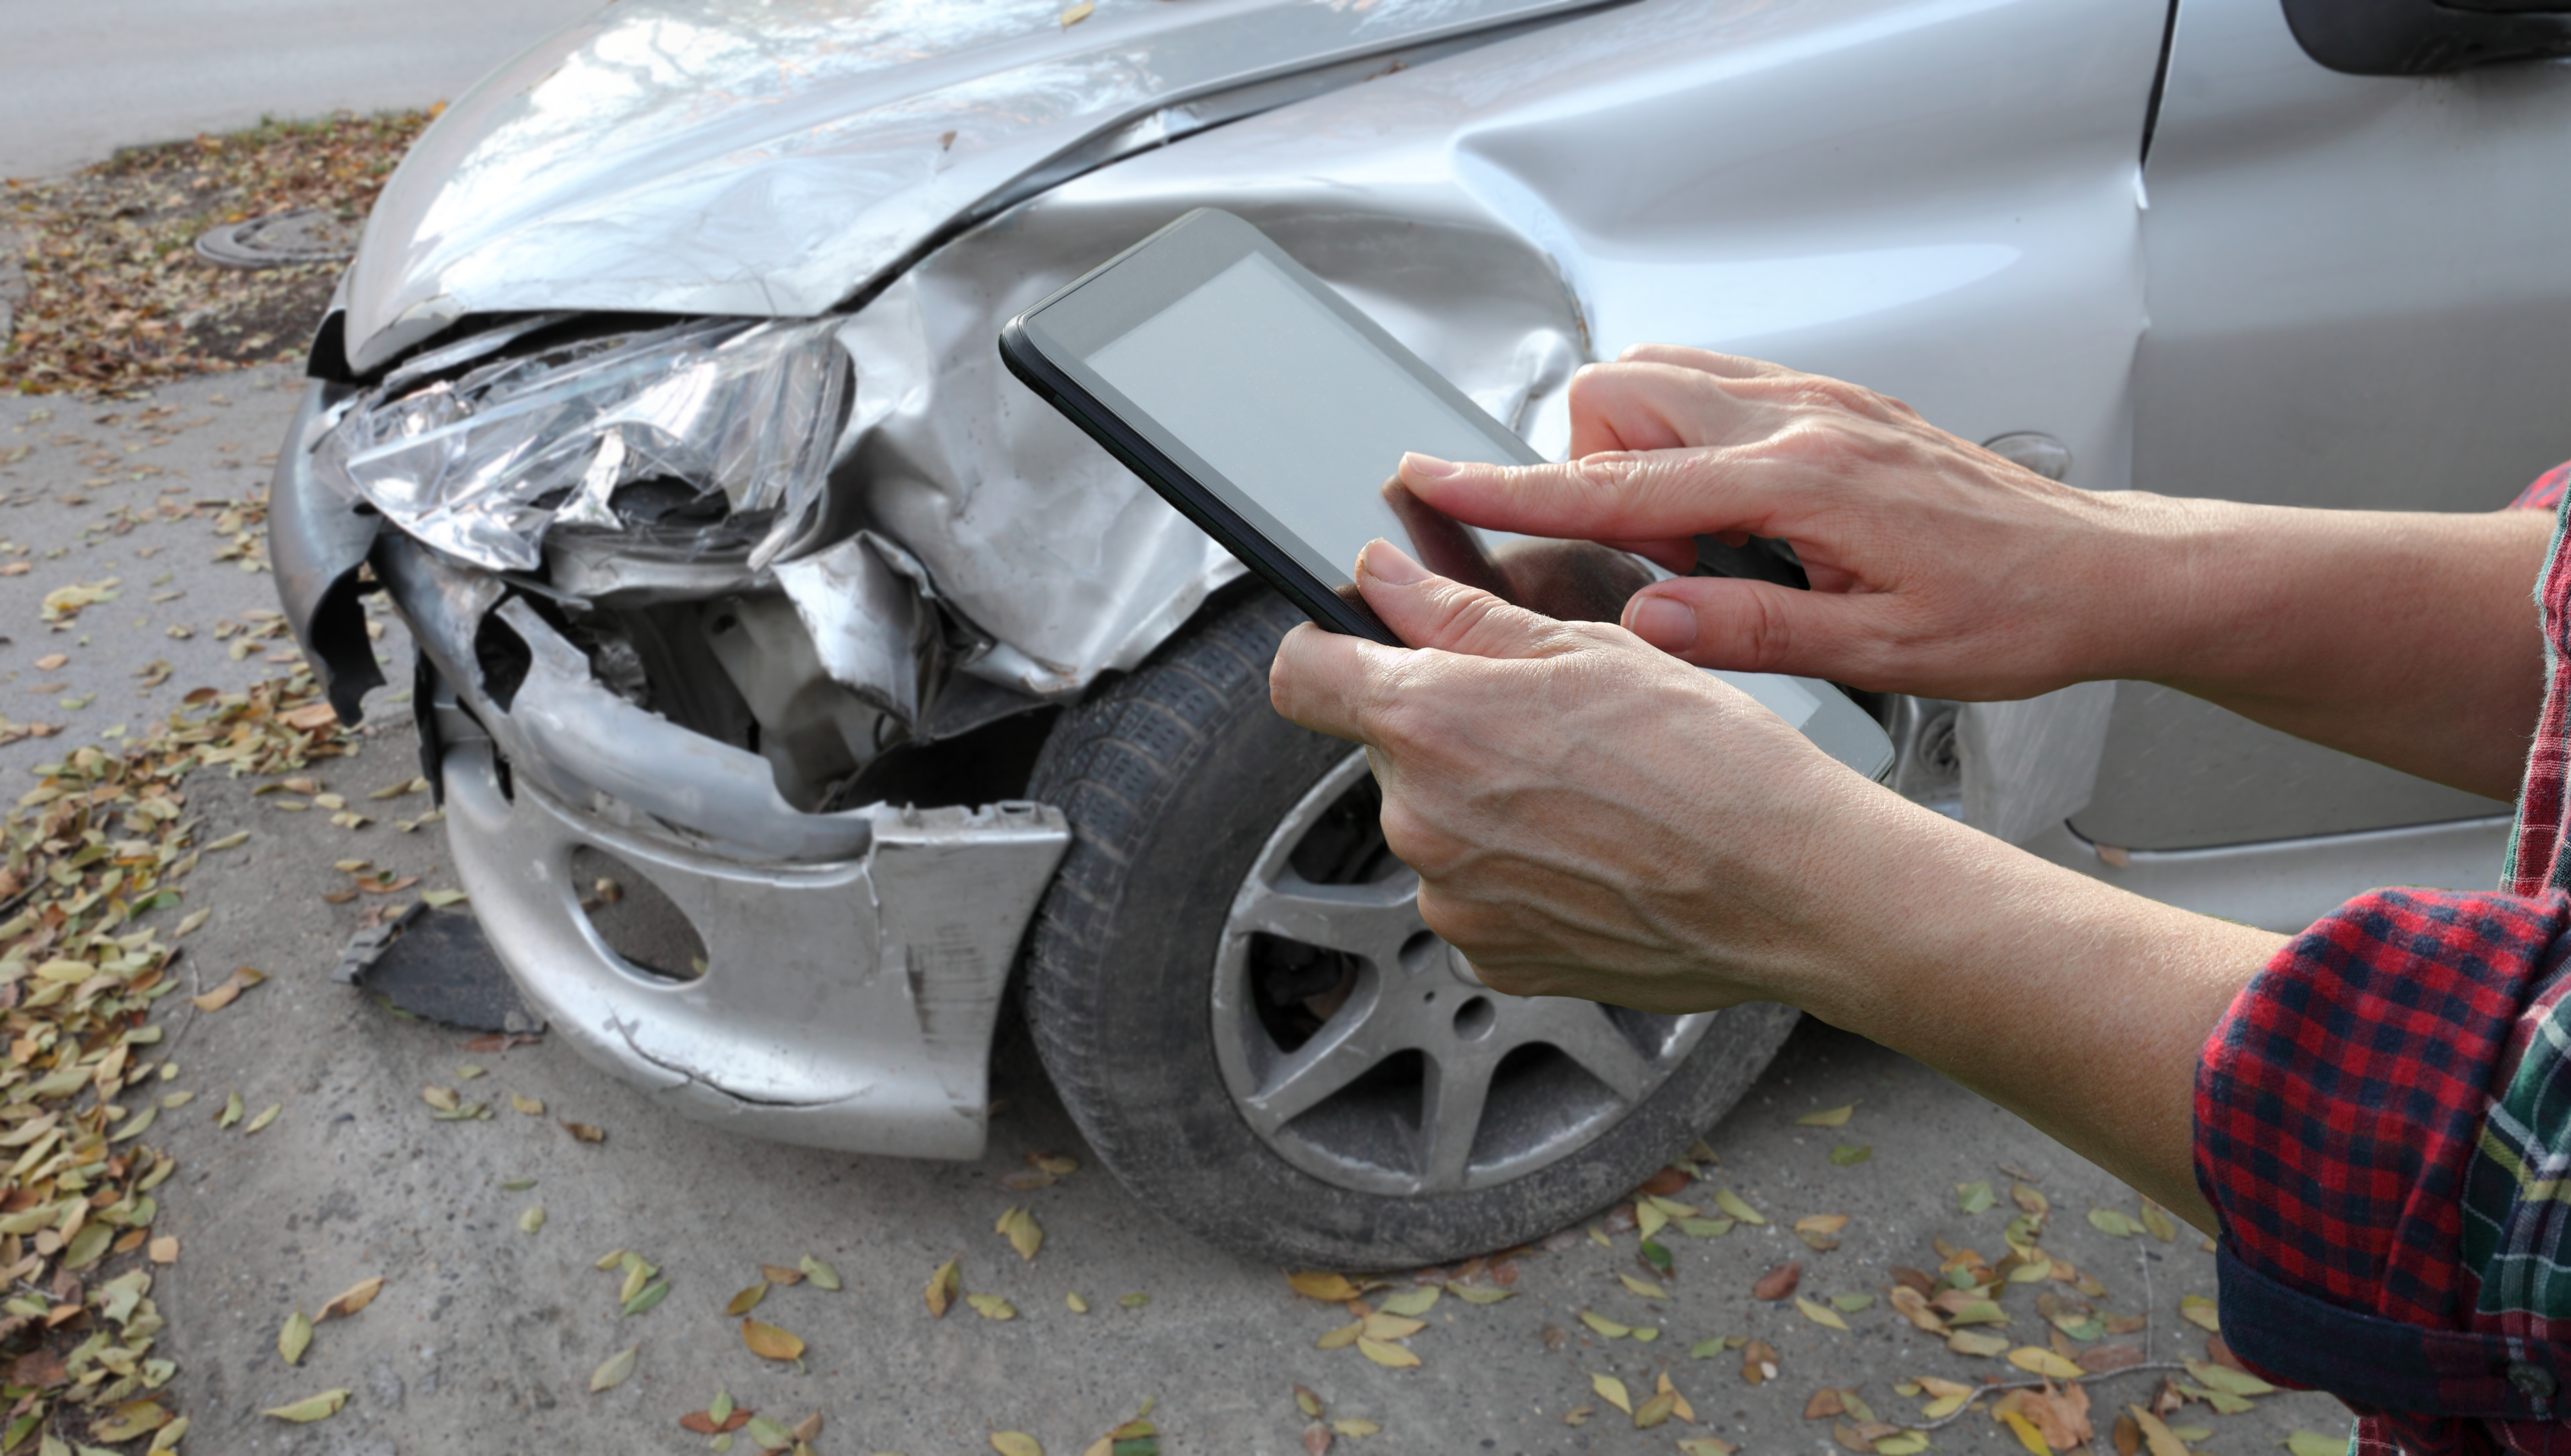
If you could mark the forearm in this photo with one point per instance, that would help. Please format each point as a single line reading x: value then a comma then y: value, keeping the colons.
x: 2079, y: 1007
x: 2407, y: 637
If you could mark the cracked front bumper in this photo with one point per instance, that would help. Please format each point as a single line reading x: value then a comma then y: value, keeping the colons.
x: 844, y: 1004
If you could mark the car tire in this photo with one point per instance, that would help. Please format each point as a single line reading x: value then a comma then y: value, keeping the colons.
x: 1176, y: 780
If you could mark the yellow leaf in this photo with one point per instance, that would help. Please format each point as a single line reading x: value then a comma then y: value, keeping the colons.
x: 1390, y: 1356
x: 292, y: 1341
x: 612, y: 1371
x: 1644, y: 1287
x: 942, y: 1286
x: 1015, y: 1443
x: 748, y: 1299
x: 527, y: 1105
x: 1341, y: 1337
x: 1820, y: 1314
x: 1612, y: 1391
x: 352, y: 1298
x: 1019, y: 1228
x: 311, y: 1408
x: 991, y: 1307
x: 1383, y: 1326
x: 1706, y: 1446
x: 769, y: 1342
x: 1655, y: 1411
x: 1603, y: 1326
x: 1418, y: 1300
x: 822, y: 1275
x: 2197, y: 1310
x: 1835, y: 1117
x: 439, y: 1098
x: 1650, y: 1219
x: 1078, y: 13
x: 2027, y: 1435
x: 1967, y: 1342
x: 1309, y: 1402
x: 2313, y: 1443
x: 2159, y: 1438
x: 1730, y: 1203
x: 2157, y: 1219
x: 1332, y: 1288
x: 1077, y: 1304
x: 1354, y: 1426
x: 2036, y: 1360
x: 263, y: 1118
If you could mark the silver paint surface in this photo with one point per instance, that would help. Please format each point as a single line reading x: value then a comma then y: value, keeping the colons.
x: 769, y: 157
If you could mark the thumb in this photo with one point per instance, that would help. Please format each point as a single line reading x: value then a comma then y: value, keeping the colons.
x: 1753, y: 627
x: 1425, y: 610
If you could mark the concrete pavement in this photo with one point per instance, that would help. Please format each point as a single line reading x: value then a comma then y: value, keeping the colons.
x: 78, y: 81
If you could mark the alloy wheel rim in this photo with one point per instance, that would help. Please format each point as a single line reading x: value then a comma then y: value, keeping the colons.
x: 1404, y: 1075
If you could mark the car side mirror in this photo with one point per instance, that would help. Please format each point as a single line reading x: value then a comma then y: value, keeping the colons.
x: 2428, y: 37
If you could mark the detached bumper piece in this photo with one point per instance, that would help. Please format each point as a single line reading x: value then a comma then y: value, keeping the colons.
x: 844, y: 1004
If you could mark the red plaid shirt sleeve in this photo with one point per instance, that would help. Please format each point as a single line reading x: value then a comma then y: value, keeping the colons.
x: 2383, y: 1125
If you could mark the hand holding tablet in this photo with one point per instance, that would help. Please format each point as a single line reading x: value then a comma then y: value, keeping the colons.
x: 1271, y: 412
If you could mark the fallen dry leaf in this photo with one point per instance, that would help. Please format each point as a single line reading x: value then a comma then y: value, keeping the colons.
x: 748, y: 1299
x: 1835, y: 1117
x: 1390, y: 1356
x: 242, y: 979
x: 1019, y: 1228
x: 1779, y: 1282
x: 1334, y: 1289
x: 351, y: 1299
x: 583, y: 1132
x: 612, y: 1370
x: 1612, y: 1391
x: 769, y: 1342
x: 942, y: 1288
x: 1758, y: 1361
x: 319, y: 1407
x: 1819, y: 1231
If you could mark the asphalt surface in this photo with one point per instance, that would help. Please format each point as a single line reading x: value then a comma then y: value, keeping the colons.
x: 78, y: 80
x: 486, y: 1337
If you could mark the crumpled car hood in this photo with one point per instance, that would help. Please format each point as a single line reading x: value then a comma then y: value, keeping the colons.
x: 774, y: 157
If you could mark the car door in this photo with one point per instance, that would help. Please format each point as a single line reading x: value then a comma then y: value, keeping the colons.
x: 2359, y: 299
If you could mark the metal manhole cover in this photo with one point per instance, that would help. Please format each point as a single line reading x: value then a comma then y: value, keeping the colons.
x: 280, y: 240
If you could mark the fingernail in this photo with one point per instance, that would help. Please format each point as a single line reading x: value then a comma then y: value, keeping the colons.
x: 1427, y: 467
x: 1664, y: 624
x: 1386, y: 562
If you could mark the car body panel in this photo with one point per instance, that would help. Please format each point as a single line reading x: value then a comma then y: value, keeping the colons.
x: 754, y: 158
x: 2357, y: 301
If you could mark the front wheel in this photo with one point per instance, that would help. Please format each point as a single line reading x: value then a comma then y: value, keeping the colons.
x: 1233, y: 990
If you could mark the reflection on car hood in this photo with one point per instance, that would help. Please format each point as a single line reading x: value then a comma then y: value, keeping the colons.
x: 772, y: 157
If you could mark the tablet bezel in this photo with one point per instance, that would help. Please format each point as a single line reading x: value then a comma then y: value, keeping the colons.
x: 1047, y: 347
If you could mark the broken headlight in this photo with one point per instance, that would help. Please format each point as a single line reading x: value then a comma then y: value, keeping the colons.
x: 714, y: 432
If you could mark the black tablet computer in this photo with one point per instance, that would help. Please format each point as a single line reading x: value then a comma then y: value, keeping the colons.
x: 1272, y: 412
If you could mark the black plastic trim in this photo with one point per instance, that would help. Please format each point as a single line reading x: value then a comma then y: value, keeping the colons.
x: 2421, y: 36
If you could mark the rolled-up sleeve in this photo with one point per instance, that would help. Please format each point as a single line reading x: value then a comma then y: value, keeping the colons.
x: 2351, y: 1120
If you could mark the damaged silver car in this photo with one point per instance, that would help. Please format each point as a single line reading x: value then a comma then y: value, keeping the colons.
x: 662, y: 399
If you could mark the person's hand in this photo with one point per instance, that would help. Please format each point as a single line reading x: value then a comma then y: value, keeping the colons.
x: 1936, y: 567
x: 1588, y: 815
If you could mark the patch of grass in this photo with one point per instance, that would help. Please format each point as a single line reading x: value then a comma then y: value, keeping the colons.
x: 116, y: 297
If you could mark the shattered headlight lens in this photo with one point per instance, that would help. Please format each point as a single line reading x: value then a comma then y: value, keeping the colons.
x: 709, y: 434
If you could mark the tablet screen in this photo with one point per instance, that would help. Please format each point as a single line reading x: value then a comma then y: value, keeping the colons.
x: 1308, y: 419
